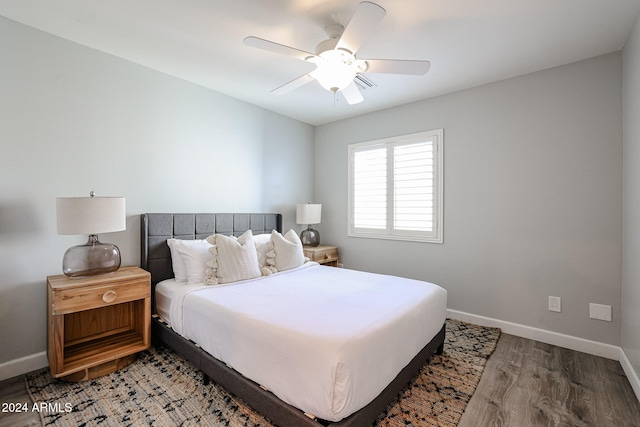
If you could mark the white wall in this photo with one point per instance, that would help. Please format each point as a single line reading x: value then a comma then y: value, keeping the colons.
x: 631, y: 264
x: 73, y: 120
x: 532, y: 199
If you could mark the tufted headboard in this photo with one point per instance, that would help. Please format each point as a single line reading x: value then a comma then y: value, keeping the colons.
x: 156, y: 228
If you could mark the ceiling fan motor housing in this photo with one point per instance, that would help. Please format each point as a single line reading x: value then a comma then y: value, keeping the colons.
x: 326, y: 45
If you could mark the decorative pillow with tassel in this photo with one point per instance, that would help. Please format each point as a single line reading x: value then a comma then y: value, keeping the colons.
x: 286, y: 251
x: 233, y: 259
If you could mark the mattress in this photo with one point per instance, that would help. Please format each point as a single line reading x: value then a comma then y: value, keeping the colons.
x: 325, y: 340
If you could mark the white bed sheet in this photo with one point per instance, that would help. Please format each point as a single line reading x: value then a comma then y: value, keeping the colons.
x: 323, y: 339
x: 164, y: 292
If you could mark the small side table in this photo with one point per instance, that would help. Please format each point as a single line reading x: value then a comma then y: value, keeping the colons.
x: 326, y: 255
x: 97, y: 324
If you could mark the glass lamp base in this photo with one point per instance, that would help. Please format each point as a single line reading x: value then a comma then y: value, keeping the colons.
x: 310, y: 237
x: 91, y: 259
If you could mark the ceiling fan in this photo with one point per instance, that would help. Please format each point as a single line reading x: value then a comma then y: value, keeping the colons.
x: 335, y: 59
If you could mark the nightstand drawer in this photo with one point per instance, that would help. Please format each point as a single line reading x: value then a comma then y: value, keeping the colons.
x: 322, y: 254
x: 90, y: 297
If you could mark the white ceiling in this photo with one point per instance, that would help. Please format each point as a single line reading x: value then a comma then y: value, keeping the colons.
x: 469, y: 42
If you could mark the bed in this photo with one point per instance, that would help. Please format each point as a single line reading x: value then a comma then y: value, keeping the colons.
x: 335, y: 361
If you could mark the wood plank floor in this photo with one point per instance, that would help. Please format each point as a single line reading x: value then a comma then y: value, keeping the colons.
x: 525, y: 384
x: 14, y: 390
x: 529, y: 384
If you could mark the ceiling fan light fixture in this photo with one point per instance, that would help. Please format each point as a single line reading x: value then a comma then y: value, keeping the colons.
x: 335, y: 70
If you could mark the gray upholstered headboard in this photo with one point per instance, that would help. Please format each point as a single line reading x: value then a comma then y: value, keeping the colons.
x: 156, y: 228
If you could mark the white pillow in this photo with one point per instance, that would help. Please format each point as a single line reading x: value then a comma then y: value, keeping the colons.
x: 287, y: 251
x: 194, y: 255
x: 177, y: 261
x: 233, y: 259
x: 179, y: 270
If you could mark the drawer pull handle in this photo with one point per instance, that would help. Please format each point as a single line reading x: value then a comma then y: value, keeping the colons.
x: 109, y: 296
x: 327, y: 256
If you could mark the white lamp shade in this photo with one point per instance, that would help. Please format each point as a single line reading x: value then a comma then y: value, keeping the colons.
x: 308, y: 213
x: 90, y: 215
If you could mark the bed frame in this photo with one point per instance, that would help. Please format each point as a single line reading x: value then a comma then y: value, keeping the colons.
x: 155, y: 257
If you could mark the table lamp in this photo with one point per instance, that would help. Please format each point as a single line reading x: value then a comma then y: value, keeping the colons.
x: 91, y: 215
x: 309, y: 214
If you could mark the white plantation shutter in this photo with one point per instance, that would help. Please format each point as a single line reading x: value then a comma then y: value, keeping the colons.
x: 370, y: 188
x: 395, y: 188
x: 413, y: 187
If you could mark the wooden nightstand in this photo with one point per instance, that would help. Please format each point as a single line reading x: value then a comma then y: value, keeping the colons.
x: 97, y: 324
x: 327, y: 255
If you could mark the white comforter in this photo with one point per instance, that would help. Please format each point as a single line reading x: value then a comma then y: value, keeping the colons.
x: 325, y: 340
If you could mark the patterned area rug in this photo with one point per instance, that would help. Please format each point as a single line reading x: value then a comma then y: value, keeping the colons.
x: 161, y: 389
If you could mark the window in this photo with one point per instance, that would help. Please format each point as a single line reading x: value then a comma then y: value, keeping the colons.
x: 395, y: 188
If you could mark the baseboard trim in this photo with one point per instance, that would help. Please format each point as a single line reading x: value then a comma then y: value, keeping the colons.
x: 561, y: 340
x: 20, y: 366
x: 630, y: 372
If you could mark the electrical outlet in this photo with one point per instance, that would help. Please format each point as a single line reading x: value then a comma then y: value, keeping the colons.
x: 555, y: 304
x: 600, y: 312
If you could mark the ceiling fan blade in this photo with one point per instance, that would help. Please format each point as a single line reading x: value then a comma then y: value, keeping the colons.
x: 364, y: 20
x: 277, y: 48
x: 293, y: 84
x: 397, y: 66
x: 352, y: 94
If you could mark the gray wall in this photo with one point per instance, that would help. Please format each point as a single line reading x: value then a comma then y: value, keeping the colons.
x: 532, y: 199
x: 631, y: 264
x: 73, y: 120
